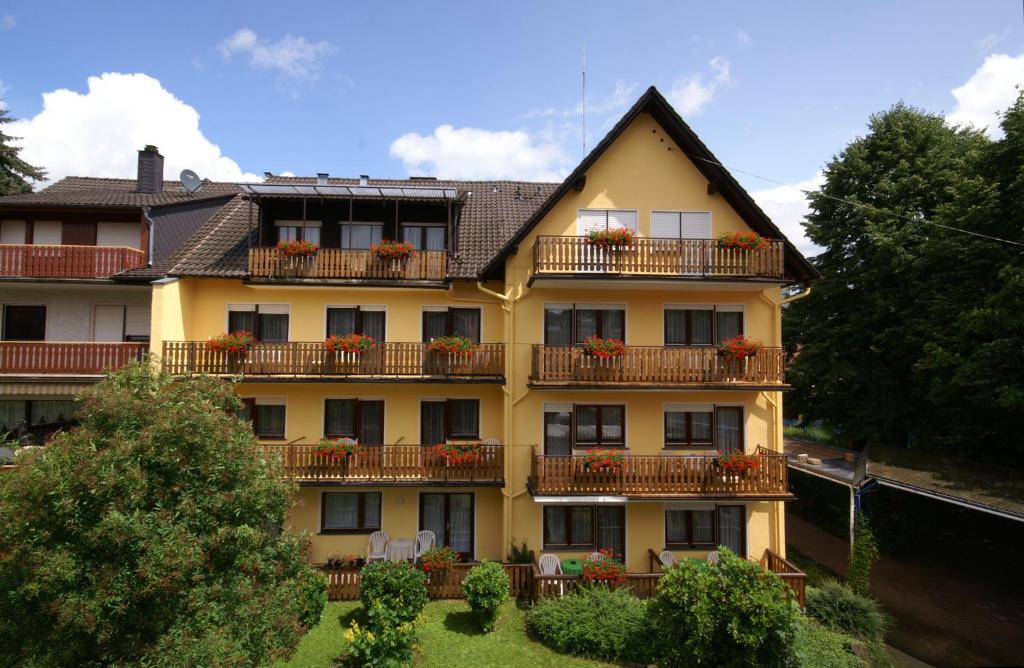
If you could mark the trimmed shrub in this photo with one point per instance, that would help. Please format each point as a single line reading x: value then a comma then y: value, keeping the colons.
x: 398, y: 587
x: 838, y: 607
x: 385, y: 642
x: 819, y: 647
x: 863, y: 556
x: 311, y: 597
x: 593, y: 622
x: 486, y: 588
x: 729, y: 614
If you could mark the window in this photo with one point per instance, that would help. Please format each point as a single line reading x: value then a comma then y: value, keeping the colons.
x: 732, y: 528
x: 585, y: 528
x: 361, y: 235
x: 451, y: 322
x: 728, y: 322
x: 452, y: 419
x: 601, y: 426
x: 566, y: 324
x: 267, y: 322
x: 424, y: 236
x: 588, y: 220
x: 450, y: 517
x: 702, y: 325
x: 24, y: 322
x: 350, y: 512
x: 681, y: 224
x: 690, y: 529
x: 360, y: 420
x: 35, y: 412
x: 729, y: 428
x: 267, y: 416
x: 298, y: 230
x: 557, y: 431
x: 345, y: 320
x: 689, y: 428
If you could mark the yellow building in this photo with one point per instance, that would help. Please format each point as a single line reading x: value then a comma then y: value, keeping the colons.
x: 516, y: 433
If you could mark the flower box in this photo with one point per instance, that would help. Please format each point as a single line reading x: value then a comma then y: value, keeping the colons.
x: 451, y: 345
x: 350, y: 562
x: 620, y: 237
x: 603, y: 349
x: 603, y: 461
x: 744, y: 241
x: 454, y: 454
x: 296, y: 249
x: 604, y: 569
x: 234, y: 342
x: 339, y: 449
x: 739, y: 464
x: 739, y: 348
x: 356, y: 344
x: 387, y: 249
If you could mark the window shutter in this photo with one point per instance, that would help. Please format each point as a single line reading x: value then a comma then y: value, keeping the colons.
x: 626, y: 219
x: 117, y: 234
x: 47, y: 233
x: 589, y: 220
x: 136, y: 320
x: 695, y: 224
x: 665, y: 224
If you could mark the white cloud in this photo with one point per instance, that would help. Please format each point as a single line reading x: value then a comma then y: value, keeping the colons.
x: 8, y: 22
x: 293, y: 57
x: 691, y: 94
x: 786, y: 206
x: 472, y: 153
x: 742, y: 37
x: 991, y: 89
x: 98, y: 133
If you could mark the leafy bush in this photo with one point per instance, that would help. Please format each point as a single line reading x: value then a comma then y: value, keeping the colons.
x: 486, y: 588
x: 140, y: 536
x: 819, y: 647
x: 311, y: 595
x: 863, y: 556
x: 398, y: 587
x: 519, y: 554
x: 595, y: 622
x: 838, y: 607
x: 729, y: 614
x: 385, y: 642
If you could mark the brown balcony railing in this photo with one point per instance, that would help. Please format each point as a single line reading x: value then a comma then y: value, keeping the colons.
x: 670, y: 476
x: 351, y: 264
x: 32, y: 261
x: 309, y: 359
x: 659, y: 258
x: 652, y: 366
x: 43, y: 357
x: 390, y: 464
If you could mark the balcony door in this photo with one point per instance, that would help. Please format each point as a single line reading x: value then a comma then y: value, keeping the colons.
x: 24, y: 322
x: 572, y: 324
x: 443, y: 420
x: 424, y: 236
x: 450, y: 517
x: 78, y: 234
x: 594, y: 258
x: 451, y: 322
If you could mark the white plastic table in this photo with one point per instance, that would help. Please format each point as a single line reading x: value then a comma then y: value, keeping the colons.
x: 401, y: 549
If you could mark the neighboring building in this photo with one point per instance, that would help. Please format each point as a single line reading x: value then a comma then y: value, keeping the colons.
x: 76, y: 263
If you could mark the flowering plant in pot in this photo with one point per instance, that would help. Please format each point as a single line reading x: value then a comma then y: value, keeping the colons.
x: 604, y: 460
x: 458, y: 453
x: 349, y: 562
x: 387, y: 249
x: 604, y: 569
x: 438, y: 559
x: 740, y: 347
x: 337, y: 449
x: 600, y: 348
x: 738, y: 462
x: 350, y: 343
x: 455, y: 344
x: 296, y: 248
x: 743, y: 241
x: 618, y: 237
x: 233, y: 342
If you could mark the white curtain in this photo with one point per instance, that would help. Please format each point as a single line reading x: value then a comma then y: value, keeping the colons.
x: 461, y: 538
x: 730, y: 528
x: 610, y: 522
x: 675, y: 526
x: 341, y: 510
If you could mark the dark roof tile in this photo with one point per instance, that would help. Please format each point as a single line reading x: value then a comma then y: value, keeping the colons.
x: 83, y: 191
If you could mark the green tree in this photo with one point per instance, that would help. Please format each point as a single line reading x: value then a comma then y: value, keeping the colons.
x: 863, y: 555
x: 15, y: 173
x: 146, y: 535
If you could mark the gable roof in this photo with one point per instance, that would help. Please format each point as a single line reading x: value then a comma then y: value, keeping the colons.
x: 655, y: 104
x: 87, y: 191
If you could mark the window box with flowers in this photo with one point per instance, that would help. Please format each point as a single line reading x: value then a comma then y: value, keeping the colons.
x: 736, y: 465
x: 342, y: 450
x: 603, y: 461
x: 349, y: 562
x: 614, y: 239
x: 743, y: 241
x: 347, y: 350
x: 234, y: 346
x: 296, y: 257
x: 456, y: 453
x: 456, y: 345
x: 392, y: 251
x: 739, y: 348
x: 606, y: 353
x: 446, y: 354
x: 604, y: 569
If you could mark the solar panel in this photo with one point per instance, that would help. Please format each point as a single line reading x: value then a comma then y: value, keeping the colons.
x: 306, y: 190
x: 309, y: 190
x: 333, y: 190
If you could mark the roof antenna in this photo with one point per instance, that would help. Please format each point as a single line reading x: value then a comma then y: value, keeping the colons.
x: 584, y: 100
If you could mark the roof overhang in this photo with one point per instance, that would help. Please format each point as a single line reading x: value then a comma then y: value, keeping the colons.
x: 290, y: 191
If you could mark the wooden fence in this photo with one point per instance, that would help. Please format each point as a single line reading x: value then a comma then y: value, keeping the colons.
x: 790, y: 574
x: 44, y: 357
x: 309, y: 358
x: 42, y: 261
x: 343, y: 585
x: 686, y: 258
x: 344, y: 263
x: 655, y: 366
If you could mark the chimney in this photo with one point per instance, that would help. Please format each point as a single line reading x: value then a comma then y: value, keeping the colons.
x: 321, y: 178
x: 150, y: 177
x: 364, y: 180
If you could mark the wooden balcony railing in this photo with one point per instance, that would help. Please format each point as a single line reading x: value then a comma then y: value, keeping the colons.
x: 309, y: 359
x: 790, y: 574
x: 46, y: 357
x: 351, y: 264
x: 652, y: 366
x: 659, y: 258
x: 39, y: 261
x: 654, y: 477
x: 390, y: 464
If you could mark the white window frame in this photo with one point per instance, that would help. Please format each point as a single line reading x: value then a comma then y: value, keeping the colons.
x: 228, y: 308
x: 635, y: 212
x: 361, y: 307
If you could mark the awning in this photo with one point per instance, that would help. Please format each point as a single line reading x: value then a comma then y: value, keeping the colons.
x: 50, y: 390
x: 580, y: 499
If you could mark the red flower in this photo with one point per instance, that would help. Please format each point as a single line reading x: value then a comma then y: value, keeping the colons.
x: 604, y: 348
x: 235, y: 342
x: 352, y: 343
x: 392, y: 250
x: 743, y: 241
x: 740, y: 347
x: 296, y: 248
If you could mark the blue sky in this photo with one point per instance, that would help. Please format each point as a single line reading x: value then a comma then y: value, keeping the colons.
x: 773, y: 88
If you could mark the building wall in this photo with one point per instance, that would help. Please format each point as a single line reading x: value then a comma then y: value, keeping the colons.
x: 69, y: 308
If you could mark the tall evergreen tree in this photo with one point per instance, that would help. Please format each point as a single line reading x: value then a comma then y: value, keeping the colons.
x: 15, y: 173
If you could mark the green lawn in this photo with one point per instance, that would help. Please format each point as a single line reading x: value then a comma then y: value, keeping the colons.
x: 448, y: 637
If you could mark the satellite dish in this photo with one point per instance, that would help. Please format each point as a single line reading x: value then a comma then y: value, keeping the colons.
x: 190, y: 181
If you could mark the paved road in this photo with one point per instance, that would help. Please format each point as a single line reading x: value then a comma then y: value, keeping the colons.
x: 941, y: 616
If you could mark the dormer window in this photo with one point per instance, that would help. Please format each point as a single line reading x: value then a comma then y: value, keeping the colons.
x: 298, y: 230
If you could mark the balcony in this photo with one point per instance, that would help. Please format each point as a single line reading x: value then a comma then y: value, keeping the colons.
x: 349, y: 265
x: 391, y: 465
x: 66, y: 358
x: 32, y: 261
x: 683, y: 367
x: 655, y: 259
x: 660, y: 477
x: 298, y: 360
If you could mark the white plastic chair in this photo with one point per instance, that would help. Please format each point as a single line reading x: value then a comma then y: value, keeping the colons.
x: 667, y: 559
x: 713, y: 557
x: 377, y: 550
x: 550, y: 564
x: 424, y: 541
x: 492, y: 441
x: 593, y: 556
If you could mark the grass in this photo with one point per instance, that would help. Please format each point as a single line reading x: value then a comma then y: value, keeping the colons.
x: 448, y: 636
x: 818, y: 433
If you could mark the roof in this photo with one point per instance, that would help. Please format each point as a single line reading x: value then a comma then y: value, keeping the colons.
x: 492, y: 212
x: 404, y: 192
x: 654, y: 103
x: 85, y: 191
